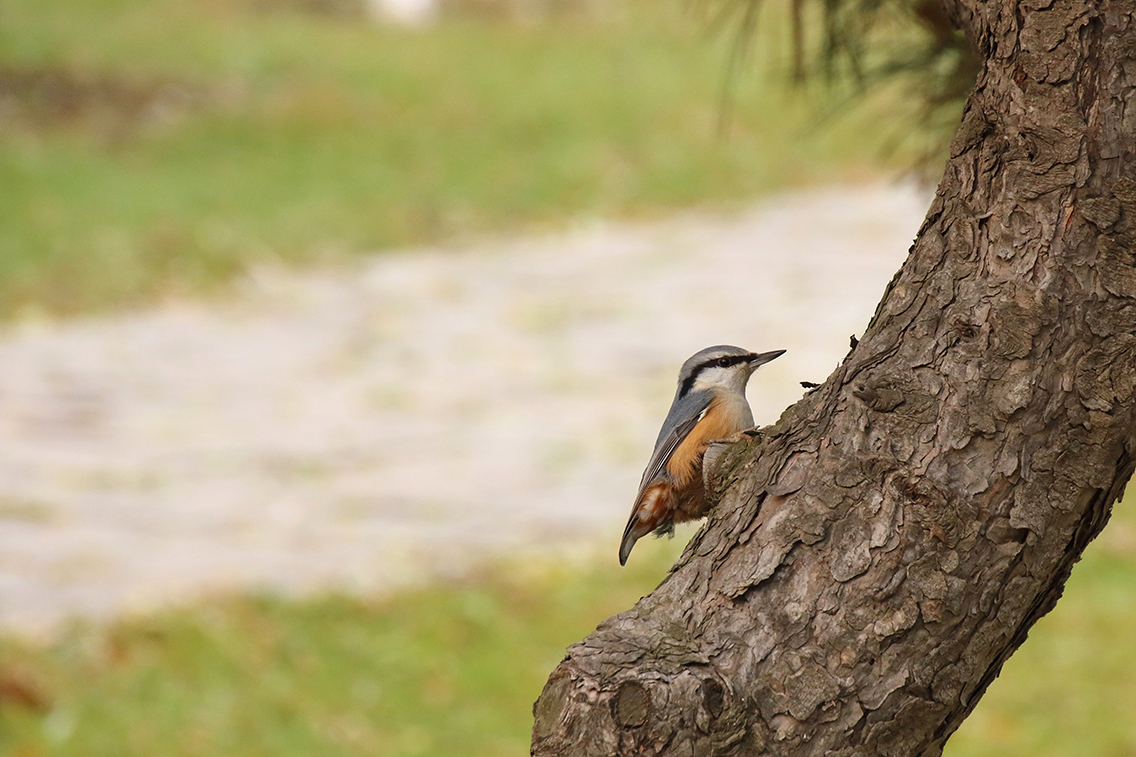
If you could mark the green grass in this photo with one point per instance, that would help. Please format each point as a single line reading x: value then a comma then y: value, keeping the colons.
x: 443, y: 671
x: 192, y: 138
x: 453, y: 670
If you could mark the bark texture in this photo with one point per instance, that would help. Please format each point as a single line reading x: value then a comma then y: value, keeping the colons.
x: 878, y: 553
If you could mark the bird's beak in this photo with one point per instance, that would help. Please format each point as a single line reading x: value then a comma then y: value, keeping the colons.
x: 760, y: 359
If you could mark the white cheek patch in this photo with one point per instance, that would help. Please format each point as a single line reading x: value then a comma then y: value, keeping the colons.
x: 709, y: 378
x: 731, y: 379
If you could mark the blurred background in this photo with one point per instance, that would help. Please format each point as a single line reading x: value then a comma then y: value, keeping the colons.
x: 335, y: 335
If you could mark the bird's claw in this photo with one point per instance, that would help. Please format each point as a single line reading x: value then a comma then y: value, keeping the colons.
x: 744, y: 435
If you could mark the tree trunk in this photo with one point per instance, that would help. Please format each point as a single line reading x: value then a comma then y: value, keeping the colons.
x: 878, y: 553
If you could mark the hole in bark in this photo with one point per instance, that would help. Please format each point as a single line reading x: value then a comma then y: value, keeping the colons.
x: 714, y: 697
x: 965, y: 330
x: 1001, y: 532
x: 632, y: 705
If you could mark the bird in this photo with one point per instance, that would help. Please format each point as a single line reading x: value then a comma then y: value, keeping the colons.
x: 709, y: 404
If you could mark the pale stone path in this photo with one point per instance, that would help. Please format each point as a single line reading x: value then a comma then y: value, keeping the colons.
x: 415, y: 413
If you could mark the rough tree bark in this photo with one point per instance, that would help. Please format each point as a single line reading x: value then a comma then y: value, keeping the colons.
x: 878, y: 553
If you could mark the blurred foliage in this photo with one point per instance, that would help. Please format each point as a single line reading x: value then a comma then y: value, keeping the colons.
x: 904, y: 53
x: 150, y: 148
x: 454, y: 669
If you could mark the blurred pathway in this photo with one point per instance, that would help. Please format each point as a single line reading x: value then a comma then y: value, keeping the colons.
x: 407, y: 416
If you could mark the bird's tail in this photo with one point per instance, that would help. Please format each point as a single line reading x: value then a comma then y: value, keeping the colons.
x: 653, y: 511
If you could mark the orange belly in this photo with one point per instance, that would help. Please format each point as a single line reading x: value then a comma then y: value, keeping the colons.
x: 680, y: 495
x: 685, y: 465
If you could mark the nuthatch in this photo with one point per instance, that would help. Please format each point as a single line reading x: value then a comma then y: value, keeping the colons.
x: 710, y: 404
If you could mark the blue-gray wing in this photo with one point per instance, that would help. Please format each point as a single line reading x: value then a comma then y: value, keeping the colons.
x: 684, y: 416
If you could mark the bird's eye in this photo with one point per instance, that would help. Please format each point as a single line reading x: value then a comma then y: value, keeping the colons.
x: 723, y: 362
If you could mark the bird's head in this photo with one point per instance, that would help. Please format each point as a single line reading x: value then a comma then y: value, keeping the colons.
x: 721, y: 367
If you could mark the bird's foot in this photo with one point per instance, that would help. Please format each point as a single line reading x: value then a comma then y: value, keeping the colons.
x: 743, y: 436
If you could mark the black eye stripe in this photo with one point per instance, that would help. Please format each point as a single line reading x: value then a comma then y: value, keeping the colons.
x: 719, y: 362
x: 727, y: 361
